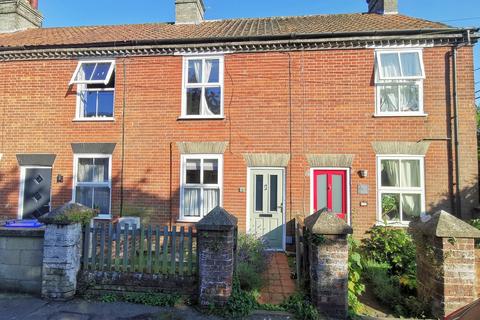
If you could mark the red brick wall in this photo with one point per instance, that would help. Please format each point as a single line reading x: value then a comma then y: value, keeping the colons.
x: 331, y: 108
x: 446, y: 274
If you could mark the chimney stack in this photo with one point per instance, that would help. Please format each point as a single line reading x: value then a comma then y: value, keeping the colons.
x: 18, y: 15
x: 189, y: 11
x: 34, y: 4
x: 383, y: 6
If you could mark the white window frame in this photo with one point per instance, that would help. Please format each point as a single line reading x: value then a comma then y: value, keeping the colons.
x: 186, y: 85
x: 82, y: 62
x: 183, y: 184
x: 82, y: 87
x: 381, y: 77
x: 399, y: 190
x: 108, y: 184
x: 398, y: 81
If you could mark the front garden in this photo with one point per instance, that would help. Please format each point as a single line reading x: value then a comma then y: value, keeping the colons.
x: 382, y: 274
x: 252, y: 261
x: 383, y: 267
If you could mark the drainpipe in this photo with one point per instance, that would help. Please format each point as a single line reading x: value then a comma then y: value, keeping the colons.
x: 458, y: 200
x: 467, y: 40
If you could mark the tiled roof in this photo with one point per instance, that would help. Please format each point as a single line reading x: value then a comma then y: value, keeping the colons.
x: 214, y: 30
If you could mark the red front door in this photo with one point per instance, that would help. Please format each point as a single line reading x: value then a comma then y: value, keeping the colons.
x: 330, y: 191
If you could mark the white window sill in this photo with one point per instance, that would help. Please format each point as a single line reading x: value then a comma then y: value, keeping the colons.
x: 393, y: 224
x: 94, y: 120
x: 400, y: 115
x: 200, y: 118
x: 103, y: 217
x: 189, y: 220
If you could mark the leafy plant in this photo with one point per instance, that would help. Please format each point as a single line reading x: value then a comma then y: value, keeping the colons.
x: 301, y: 307
x: 150, y: 299
x: 240, y: 304
x: 153, y: 299
x: 78, y: 216
x: 476, y: 223
x: 355, y: 269
x: 109, y: 298
x: 395, y: 247
x: 388, y: 291
x: 389, y: 205
x: 252, y: 260
x: 249, y: 278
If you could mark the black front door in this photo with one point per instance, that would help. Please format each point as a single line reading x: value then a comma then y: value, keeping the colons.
x: 36, y: 193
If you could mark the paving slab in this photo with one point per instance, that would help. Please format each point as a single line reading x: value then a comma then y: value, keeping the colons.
x: 17, y: 306
x: 25, y: 307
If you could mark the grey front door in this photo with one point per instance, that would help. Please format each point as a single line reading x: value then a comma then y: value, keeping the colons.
x: 36, y: 192
x: 266, y: 206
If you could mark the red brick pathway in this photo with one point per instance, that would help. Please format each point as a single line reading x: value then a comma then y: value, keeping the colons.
x: 278, y: 284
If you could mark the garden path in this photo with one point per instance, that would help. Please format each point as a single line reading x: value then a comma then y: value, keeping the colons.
x: 278, y: 282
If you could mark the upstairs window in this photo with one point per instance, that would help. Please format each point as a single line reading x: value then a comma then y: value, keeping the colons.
x: 399, y: 82
x: 203, y: 87
x: 95, y: 82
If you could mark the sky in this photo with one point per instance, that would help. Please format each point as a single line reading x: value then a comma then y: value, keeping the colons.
x: 59, y: 13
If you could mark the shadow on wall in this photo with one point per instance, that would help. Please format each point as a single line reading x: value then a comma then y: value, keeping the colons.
x: 469, y: 201
x: 8, y: 192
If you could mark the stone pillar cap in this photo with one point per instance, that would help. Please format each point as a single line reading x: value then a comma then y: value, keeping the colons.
x: 217, y: 220
x: 444, y: 225
x: 327, y: 223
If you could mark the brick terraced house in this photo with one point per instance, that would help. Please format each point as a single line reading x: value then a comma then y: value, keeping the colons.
x: 370, y: 115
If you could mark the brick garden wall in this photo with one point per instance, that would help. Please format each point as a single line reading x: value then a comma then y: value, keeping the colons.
x: 331, y: 108
x: 446, y: 274
x: 477, y: 266
x: 102, y: 282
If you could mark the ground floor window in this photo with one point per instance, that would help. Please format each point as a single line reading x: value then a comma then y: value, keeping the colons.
x: 92, y: 182
x: 401, y: 188
x: 201, y: 185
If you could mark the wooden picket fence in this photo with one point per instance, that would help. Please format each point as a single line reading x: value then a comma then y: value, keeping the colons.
x: 146, y: 249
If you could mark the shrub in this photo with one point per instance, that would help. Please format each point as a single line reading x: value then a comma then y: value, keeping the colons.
x: 301, y: 307
x: 249, y: 278
x: 355, y: 269
x: 252, y: 261
x: 240, y: 304
x: 395, y: 247
x: 388, y: 290
x: 390, y: 268
x: 476, y: 223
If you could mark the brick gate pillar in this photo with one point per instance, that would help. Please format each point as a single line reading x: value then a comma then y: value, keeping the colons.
x: 446, y: 275
x: 216, y: 256
x: 62, y: 251
x: 328, y: 258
